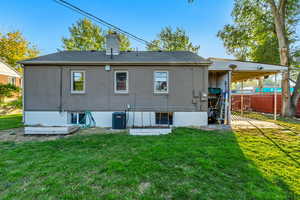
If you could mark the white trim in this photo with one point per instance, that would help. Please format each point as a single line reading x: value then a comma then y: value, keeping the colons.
x: 115, y: 82
x: 160, y: 92
x: 84, y: 80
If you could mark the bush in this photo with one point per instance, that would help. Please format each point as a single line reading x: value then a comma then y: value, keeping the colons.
x: 7, y: 90
x: 16, y: 103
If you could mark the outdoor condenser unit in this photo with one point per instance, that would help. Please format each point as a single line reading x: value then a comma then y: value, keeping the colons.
x: 119, y: 120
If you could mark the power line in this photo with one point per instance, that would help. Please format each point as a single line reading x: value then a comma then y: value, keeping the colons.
x: 99, y: 20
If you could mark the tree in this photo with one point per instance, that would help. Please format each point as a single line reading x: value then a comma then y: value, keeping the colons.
x: 85, y: 35
x: 280, y: 10
x: 172, y: 41
x: 261, y: 28
x: 14, y: 47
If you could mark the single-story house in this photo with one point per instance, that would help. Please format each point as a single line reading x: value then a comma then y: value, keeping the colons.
x: 9, y: 76
x: 153, y: 88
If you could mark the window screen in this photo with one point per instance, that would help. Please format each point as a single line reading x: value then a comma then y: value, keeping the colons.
x: 78, y: 81
x: 164, y: 118
x: 121, y: 82
x: 77, y: 118
x: 161, y: 82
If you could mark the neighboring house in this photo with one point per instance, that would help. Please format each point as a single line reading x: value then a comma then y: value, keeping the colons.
x: 149, y: 85
x: 9, y: 76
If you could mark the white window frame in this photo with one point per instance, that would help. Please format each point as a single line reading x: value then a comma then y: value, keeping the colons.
x: 84, y: 80
x: 115, y: 82
x: 154, y: 80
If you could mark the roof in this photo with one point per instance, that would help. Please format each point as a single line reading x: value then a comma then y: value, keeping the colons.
x: 6, y: 70
x: 125, y: 57
x: 245, y: 70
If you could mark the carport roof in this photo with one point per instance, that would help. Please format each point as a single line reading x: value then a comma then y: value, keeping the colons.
x: 244, y: 70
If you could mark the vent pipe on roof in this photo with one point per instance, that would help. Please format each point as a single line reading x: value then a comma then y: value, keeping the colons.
x: 112, y: 44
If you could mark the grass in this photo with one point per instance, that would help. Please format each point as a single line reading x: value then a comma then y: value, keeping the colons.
x: 10, y: 121
x: 187, y: 164
x: 263, y: 152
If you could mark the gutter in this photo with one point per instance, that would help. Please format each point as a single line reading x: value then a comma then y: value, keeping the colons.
x: 116, y: 63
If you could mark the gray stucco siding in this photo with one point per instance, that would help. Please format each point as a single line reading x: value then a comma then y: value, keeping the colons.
x: 42, y: 89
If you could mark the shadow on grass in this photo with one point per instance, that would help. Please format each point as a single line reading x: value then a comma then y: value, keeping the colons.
x: 187, y: 164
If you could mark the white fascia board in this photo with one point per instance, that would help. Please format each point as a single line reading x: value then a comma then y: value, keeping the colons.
x: 220, y: 65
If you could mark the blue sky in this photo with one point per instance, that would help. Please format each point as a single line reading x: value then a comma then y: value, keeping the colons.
x: 44, y: 22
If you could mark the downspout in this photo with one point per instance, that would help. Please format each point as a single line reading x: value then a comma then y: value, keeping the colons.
x: 60, y: 92
x: 23, y: 94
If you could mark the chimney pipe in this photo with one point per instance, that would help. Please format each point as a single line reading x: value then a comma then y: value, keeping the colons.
x: 112, y: 44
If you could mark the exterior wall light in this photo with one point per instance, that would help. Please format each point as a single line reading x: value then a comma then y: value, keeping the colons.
x: 107, y: 68
x: 232, y: 67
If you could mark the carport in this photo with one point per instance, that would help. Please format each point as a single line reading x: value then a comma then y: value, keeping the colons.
x: 224, y: 72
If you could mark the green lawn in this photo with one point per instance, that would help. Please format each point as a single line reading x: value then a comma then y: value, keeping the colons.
x: 10, y: 121
x: 187, y: 164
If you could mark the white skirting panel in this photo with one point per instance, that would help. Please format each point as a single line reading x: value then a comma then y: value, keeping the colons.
x: 46, y: 118
x: 190, y: 119
x: 104, y: 119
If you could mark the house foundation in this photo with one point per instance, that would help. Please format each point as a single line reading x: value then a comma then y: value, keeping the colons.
x: 104, y: 119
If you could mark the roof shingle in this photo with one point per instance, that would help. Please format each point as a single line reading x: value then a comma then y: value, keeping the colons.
x: 124, y: 57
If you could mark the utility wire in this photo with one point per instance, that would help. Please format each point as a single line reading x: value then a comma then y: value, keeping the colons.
x: 99, y: 20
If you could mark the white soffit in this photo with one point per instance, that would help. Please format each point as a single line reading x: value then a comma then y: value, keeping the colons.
x: 220, y: 64
x: 8, y: 71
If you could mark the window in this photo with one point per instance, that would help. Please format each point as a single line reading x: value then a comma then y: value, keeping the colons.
x: 77, y: 81
x: 77, y: 118
x: 121, y: 82
x: 12, y: 80
x: 161, y: 82
x: 164, y: 118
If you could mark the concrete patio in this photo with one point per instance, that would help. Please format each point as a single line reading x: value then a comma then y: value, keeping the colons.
x: 239, y: 122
